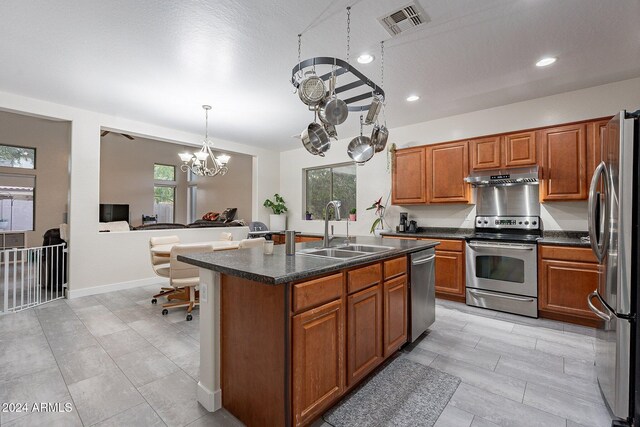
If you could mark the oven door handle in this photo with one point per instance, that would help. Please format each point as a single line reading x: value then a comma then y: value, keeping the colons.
x: 514, y: 247
x: 487, y: 294
x: 600, y: 314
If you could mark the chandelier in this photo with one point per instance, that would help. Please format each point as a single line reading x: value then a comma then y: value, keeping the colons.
x: 203, y: 162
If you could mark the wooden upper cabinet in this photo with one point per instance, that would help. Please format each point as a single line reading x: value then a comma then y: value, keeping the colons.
x: 447, y: 167
x: 595, y: 135
x: 507, y: 151
x: 318, y: 360
x: 563, y: 152
x: 485, y: 153
x: 519, y: 149
x: 408, y: 177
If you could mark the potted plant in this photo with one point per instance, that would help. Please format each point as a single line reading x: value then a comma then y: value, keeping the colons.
x: 352, y: 214
x: 277, y: 220
x: 378, y: 224
x: 308, y: 216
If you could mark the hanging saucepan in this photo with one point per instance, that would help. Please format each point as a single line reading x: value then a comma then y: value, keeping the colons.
x: 379, y: 137
x: 333, y: 111
x: 315, y: 139
x: 374, y: 110
x: 331, y: 130
x: 360, y: 149
x: 311, y: 89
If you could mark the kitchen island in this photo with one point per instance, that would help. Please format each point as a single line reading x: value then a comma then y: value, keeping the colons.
x: 283, y: 338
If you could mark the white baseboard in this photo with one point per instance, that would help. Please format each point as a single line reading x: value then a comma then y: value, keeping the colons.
x: 77, y: 293
x: 211, y: 400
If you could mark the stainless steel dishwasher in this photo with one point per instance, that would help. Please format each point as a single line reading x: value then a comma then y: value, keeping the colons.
x: 423, y: 291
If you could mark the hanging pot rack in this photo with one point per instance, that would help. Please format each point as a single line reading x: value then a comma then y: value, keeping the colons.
x: 342, y: 67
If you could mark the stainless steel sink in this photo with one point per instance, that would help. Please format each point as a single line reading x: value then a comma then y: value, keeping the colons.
x: 365, y: 248
x: 332, y: 253
x: 344, y: 251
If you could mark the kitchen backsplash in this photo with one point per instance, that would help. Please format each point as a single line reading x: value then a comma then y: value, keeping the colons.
x: 555, y: 216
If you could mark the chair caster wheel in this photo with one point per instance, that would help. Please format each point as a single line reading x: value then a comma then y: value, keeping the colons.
x: 189, y: 317
x: 165, y: 312
x: 154, y: 301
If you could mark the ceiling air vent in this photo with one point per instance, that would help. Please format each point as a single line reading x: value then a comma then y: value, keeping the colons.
x: 407, y: 18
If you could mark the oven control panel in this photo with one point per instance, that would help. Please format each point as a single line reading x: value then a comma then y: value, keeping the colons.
x: 515, y: 222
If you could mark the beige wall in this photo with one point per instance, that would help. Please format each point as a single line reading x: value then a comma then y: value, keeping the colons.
x: 233, y: 190
x: 126, y: 177
x: 51, y: 139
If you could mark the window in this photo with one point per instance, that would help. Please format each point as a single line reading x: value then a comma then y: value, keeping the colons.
x: 335, y: 182
x: 17, y: 157
x: 164, y: 191
x: 17, y: 202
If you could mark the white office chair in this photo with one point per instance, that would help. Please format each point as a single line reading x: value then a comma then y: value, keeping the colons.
x: 184, y: 276
x: 251, y: 243
x: 160, y: 264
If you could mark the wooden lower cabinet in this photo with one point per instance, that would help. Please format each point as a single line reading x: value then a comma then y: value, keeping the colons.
x: 566, y: 276
x: 364, y: 333
x: 318, y: 360
x: 395, y: 314
x: 450, y: 269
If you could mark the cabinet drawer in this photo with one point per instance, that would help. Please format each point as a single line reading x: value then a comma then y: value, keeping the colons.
x: 566, y: 253
x: 363, y: 277
x: 395, y: 267
x: 448, y: 245
x: 315, y: 292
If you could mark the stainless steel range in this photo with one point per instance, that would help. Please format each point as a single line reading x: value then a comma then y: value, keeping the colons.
x: 502, y: 254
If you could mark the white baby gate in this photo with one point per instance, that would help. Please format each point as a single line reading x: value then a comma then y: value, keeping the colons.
x: 32, y: 276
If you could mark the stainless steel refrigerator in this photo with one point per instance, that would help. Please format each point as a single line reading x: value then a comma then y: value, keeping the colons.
x: 613, y: 228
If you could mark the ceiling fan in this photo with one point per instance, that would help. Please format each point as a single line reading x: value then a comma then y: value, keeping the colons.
x: 105, y: 132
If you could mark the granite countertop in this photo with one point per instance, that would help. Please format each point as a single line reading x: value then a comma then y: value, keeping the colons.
x: 551, y: 237
x: 252, y: 264
x: 564, y: 238
x: 436, y: 232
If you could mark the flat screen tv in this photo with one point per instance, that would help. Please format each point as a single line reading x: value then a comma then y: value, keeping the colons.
x: 109, y: 213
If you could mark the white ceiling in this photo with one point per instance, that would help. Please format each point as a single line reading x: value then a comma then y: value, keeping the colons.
x: 158, y: 60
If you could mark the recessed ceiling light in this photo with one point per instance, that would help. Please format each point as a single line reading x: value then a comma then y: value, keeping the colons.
x: 365, y: 58
x: 413, y: 98
x: 546, y: 61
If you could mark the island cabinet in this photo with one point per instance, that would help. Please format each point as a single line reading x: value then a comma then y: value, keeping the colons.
x: 408, y: 179
x: 506, y: 151
x: 447, y: 167
x: 279, y: 239
x: 343, y: 327
x: 566, y: 276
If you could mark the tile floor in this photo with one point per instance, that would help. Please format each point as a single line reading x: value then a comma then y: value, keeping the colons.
x: 119, y: 362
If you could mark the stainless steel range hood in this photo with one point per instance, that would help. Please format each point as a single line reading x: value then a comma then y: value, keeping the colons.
x: 503, y: 177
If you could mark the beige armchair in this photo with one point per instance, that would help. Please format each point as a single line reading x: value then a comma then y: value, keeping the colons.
x: 160, y: 264
x: 184, y: 276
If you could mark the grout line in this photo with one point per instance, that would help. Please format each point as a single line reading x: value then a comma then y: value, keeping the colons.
x: 60, y: 371
x: 525, y: 392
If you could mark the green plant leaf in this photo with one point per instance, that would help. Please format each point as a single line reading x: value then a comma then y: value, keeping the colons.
x: 375, y: 224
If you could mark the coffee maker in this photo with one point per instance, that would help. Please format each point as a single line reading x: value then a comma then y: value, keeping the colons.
x: 403, y: 226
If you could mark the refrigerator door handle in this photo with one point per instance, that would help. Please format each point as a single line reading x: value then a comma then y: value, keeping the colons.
x: 599, y: 241
x: 593, y: 308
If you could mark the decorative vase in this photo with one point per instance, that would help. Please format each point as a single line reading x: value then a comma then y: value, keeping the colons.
x: 308, y: 217
x: 352, y: 217
x: 277, y: 222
